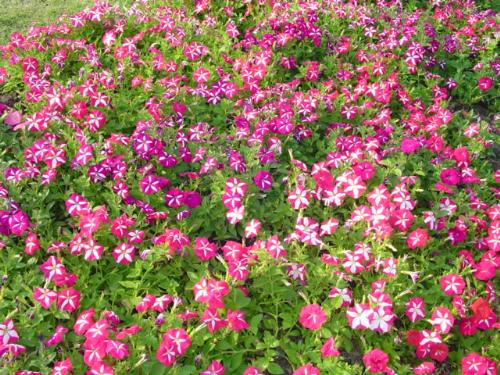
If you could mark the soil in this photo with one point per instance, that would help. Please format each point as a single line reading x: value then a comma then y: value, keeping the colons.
x: 9, y: 98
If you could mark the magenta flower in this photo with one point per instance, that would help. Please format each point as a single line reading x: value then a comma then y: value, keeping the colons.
x: 485, y: 83
x: 450, y: 176
x: 263, y: 180
x: 409, y: 145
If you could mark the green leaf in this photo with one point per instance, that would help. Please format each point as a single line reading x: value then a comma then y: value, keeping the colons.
x: 254, y: 323
x: 187, y: 370
x: 275, y: 369
x: 129, y: 284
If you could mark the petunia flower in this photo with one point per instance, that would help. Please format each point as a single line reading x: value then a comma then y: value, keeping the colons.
x: 312, y: 317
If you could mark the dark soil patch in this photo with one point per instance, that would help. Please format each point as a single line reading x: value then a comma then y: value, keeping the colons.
x: 494, y: 158
x: 354, y: 357
x: 9, y: 98
x: 282, y: 361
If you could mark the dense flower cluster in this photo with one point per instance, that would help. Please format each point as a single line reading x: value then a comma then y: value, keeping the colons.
x: 253, y: 187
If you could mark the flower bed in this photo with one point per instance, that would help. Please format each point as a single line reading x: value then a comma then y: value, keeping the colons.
x: 261, y: 188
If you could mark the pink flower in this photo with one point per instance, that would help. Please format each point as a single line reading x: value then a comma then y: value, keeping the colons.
x: 481, y: 308
x: 192, y: 199
x: 84, y: 322
x: 328, y: 349
x: 485, y: 83
x: 31, y: 244
x: 18, y: 223
x: 415, y: 309
x: 376, y: 361
x: 161, y: 303
x: 116, y: 349
x: 474, y: 364
x: 8, y: 333
x: 442, y: 320
x: 365, y: 170
x: 409, y: 145
x: 100, y: 368
x: 263, y: 180
x: 324, y: 179
x: 179, y: 108
x: 360, y: 316
x: 13, y: 118
x: 312, y: 317
x: 68, y: 299
x: 299, y: 198
x: 424, y: 368
x: 452, y: 284
x: 212, y: 319
x: 146, y: 303
x: 124, y: 253
x: 417, y: 238
x: 439, y: 352
x: 450, y: 176
x: 236, y: 320
x: 204, y: 249
x: 45, y: 297
x: 179, y: 339
x: 354, y: 187
x: 307, y: 369
x: 214, y: 368
x: 252, y: 228
x: 252, y: 371
x: 62, y: 367
x: 57, y: 337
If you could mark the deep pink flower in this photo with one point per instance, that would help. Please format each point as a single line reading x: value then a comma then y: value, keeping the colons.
x: 409, y: 145
x: 179, y: 339
x: 307, y: 369
x: 450, y: 176
x: 328, y: 349
x: 213, y: 320
x: 68, y: 299
x: 376, y: 361
x: 312, y: 317
x: 439, y: 352
x: 236, y: 320
x: 474, y: 364
x: 146, y: 303
x: 485, y: 83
